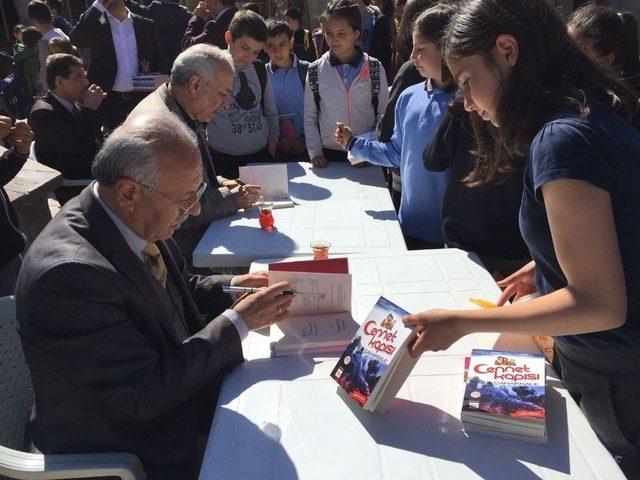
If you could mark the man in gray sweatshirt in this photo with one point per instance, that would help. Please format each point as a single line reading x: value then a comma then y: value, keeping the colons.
x: 247, y: 131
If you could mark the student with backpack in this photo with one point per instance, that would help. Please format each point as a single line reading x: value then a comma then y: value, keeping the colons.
x: 419, y: 110
x: 567, y: 115
x: 303, y: 45
x: 288, y: 75
x: 247, y: 130
x: 345, y: 85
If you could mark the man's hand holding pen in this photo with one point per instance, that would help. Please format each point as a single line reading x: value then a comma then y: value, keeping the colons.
x: 261, y: 305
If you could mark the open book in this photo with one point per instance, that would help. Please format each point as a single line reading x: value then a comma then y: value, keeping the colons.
x: 320, y: 321
x: 273, y: 180
x: 377, y: 362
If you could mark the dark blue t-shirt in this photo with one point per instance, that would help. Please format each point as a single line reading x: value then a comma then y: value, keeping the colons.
x: 604, y: 150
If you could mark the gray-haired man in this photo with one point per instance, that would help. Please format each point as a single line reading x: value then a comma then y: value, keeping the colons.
x: 124, y: 346
x: 201, y: 80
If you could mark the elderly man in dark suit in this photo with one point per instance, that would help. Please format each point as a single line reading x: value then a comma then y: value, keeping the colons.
x: 67, y: 123
x: 124, y: 347
x: 122, y: 45
x: 200, y: 85
x: 210, y: 21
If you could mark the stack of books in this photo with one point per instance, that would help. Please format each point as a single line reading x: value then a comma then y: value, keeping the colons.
x: 149, y: 81
x: 505, y: 395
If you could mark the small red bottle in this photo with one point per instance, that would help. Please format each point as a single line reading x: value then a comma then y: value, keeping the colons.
x: 266, y: 217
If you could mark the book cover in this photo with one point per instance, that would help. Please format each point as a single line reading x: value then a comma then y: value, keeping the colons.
x: 368, y: 360
x: 330, y: 265
x: 506, y: 386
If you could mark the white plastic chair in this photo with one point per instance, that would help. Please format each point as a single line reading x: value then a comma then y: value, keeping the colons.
x: 16, y: 400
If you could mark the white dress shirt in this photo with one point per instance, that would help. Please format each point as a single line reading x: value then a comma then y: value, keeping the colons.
x: 124, y: 43
x: 137, y: 244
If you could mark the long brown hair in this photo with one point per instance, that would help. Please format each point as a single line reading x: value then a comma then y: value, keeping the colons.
x: 552, y: 72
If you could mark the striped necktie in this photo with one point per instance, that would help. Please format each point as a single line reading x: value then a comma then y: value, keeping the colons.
x: 154, y: 261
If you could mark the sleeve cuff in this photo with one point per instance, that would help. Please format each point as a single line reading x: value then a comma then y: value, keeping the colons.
x: 238, y: 322
x: 351, y: 143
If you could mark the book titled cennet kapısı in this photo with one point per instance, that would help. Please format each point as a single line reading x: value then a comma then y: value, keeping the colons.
x: 505, y: 395
x: 376, y: 362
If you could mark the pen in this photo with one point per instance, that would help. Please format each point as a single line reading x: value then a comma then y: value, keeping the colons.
x: 230, y: 289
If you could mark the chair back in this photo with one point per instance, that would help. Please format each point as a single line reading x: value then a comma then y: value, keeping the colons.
x: 16, y: 390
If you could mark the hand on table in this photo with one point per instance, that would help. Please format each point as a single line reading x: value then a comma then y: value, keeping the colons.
x: 247, y: 195
x: 343, y: 134
x: 319, y: 162
x: 264, y: 307
x: 20, y: 136
x: 253, y: 280
x: 434, y: 331
x: 521, y: 283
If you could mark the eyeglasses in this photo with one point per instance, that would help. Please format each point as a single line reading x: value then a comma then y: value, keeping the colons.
x: 185, y: 210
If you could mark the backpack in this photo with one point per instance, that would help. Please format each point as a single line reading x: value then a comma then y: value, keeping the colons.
x: 261, y: 72
x: 374, y: 74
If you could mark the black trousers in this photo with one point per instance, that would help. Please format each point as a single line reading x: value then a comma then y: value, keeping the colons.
x: 606, y: 386
x: 117, y: 106
x: 227, y: 165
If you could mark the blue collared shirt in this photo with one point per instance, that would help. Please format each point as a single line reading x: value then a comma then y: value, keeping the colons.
x: 288, y: 93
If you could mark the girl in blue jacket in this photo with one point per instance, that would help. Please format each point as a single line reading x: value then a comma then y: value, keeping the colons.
x: 418, y: 113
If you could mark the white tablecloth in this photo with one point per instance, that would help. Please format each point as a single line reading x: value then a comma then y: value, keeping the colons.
x: 282, y: 418
x: 350, y: 207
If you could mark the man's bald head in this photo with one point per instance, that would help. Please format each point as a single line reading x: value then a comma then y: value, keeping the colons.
x: 145, y: 145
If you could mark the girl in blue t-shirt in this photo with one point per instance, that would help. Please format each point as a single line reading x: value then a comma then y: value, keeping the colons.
x: 566, y: 114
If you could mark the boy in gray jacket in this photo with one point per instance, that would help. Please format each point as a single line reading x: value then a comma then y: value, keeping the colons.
x: 247, y: 131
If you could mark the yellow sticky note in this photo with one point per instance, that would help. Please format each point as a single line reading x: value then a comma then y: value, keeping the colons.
x: 482, y: 303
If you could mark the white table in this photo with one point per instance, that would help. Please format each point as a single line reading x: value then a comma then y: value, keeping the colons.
x: 350, y: 207
x: 282, y: 419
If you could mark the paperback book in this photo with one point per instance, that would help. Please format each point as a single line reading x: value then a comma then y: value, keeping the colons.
x: 376, y: 362
x: 273, y: 180
x: 321, y: 322
x: 505, y: 395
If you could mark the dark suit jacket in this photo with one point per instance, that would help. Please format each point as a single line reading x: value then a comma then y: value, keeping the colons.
x: 63, y: 141
x: 171, y: 22
x: 113, y: 368
x: 210, y: 32
x: 93, y: 31
x: 217, y: 202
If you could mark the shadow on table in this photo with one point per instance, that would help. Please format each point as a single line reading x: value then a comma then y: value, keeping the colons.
x: 359, y: 175
x: 407, y: 425
x: 265, y: 242
x: 308, y: 191
x: 382, y: 215
x: 284, y: 368
x: 228, y: 459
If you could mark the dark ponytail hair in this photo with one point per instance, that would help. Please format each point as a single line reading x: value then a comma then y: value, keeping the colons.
x: 404, y: 41
x: 432, y: 25
x: 610, y: 32
x: 551, y: 72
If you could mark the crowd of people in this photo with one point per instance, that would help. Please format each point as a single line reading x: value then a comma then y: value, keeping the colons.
x: 506, y: 131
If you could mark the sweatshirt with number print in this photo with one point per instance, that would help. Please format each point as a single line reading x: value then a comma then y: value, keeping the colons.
x: 351, y: 106
x: 244, y: 128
